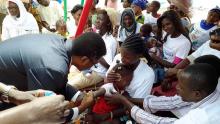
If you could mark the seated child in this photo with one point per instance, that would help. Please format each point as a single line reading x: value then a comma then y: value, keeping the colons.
x: 101, y: 107
x: 61, y: 28
x: 145, y: 31
x: 154, y: 49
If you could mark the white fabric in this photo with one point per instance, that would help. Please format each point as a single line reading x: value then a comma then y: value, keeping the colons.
x: 50, y: 14
x: 198, y: 35
x: 176, y: 47
x: 149, y: 19
x: 122, y: 35
x: 111, y: 47
x: 143, y: 79
x: 13, y: 26
x: 75, y: 113
x: 144, y: 117
x: 109, y: 89
x: 74, y: 98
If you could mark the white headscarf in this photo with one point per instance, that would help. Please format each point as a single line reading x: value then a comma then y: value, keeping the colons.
x: 14, y: 26
x: 23, y: 19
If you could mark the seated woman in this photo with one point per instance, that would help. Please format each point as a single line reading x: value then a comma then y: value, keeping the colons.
x: 102, y: 112
x: 128, y: 25
x: 176, y: 42
x: 18, y: 22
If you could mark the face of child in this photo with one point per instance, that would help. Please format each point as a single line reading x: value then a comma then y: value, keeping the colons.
x: 128, y: 21
x: 124, y: 82
x: 126, y: 4
x: 152, y: 7
x: 213, y: 17
x: 154, y: 29
x: 62, y: 29
x: 136, y: 9
x: 167, y: 26
x: 183, y: 89
x: 215, y: 42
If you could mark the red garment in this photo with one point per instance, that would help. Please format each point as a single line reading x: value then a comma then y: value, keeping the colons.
x: 157, y: 91
x: 101, y: 106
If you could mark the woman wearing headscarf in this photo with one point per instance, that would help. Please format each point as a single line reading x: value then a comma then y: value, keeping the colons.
x: 18, y: 22
x: 128, y: 25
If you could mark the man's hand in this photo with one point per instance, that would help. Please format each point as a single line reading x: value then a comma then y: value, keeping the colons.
x: 115, y: 98
x: 113, y: 77
x: 87, y: 101
x: 171, y: 72
x: 51, y: 109
x: 19, y: 97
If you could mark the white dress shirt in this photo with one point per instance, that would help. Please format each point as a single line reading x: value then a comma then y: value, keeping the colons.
x: 143, y: 117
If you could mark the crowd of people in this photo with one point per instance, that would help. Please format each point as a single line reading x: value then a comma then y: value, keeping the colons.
x: 130, y: 65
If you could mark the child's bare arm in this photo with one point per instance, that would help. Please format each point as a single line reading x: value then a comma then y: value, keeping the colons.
x: 99, y: 92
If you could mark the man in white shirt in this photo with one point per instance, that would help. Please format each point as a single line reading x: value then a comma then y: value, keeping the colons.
x: 196, y: 85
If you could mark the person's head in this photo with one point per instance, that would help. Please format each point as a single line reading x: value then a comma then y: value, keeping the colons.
x: 76, y: 13
x: 138, y: 6
x: 127, y: 3
x: 13, y: 8
x: 132, y: 49
x: 127, y: 18
x: 152, y: 42
x: 170, y: 22
x: 215, y: 39
x: 44, y: 2
x: 154, y: 29
x: 61, y: 27
x: 209, y: 59
x: 95, y: 2
x: 87, y: 50
x: 146, y: 30
x: 103, y: 23
x: 196, y: 82
x: 154, y: 6
x: 213, y: 16
x: 126, y: 74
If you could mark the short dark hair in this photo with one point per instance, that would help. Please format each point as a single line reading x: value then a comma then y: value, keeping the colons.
x: 209, y: 59
x: 123, y: 69
x: 215, y: 32
x: 200, y: 77
x: 156, y: 3
x: 76, y: 8
x: 89, y: 44
x: 146, y: 28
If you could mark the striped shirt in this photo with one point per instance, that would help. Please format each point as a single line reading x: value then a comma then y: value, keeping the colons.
x: 142, y: 116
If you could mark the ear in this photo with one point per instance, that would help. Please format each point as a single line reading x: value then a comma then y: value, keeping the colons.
x: 85, y: 60
x: 198, y: 95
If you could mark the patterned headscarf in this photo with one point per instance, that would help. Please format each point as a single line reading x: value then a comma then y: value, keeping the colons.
x: 128, y: 12
x: 140, y: 3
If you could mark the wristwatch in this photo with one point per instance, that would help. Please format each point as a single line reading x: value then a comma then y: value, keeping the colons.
x: 5, y: 93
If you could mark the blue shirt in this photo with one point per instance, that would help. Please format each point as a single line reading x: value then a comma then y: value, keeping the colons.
x: 36, y: 61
